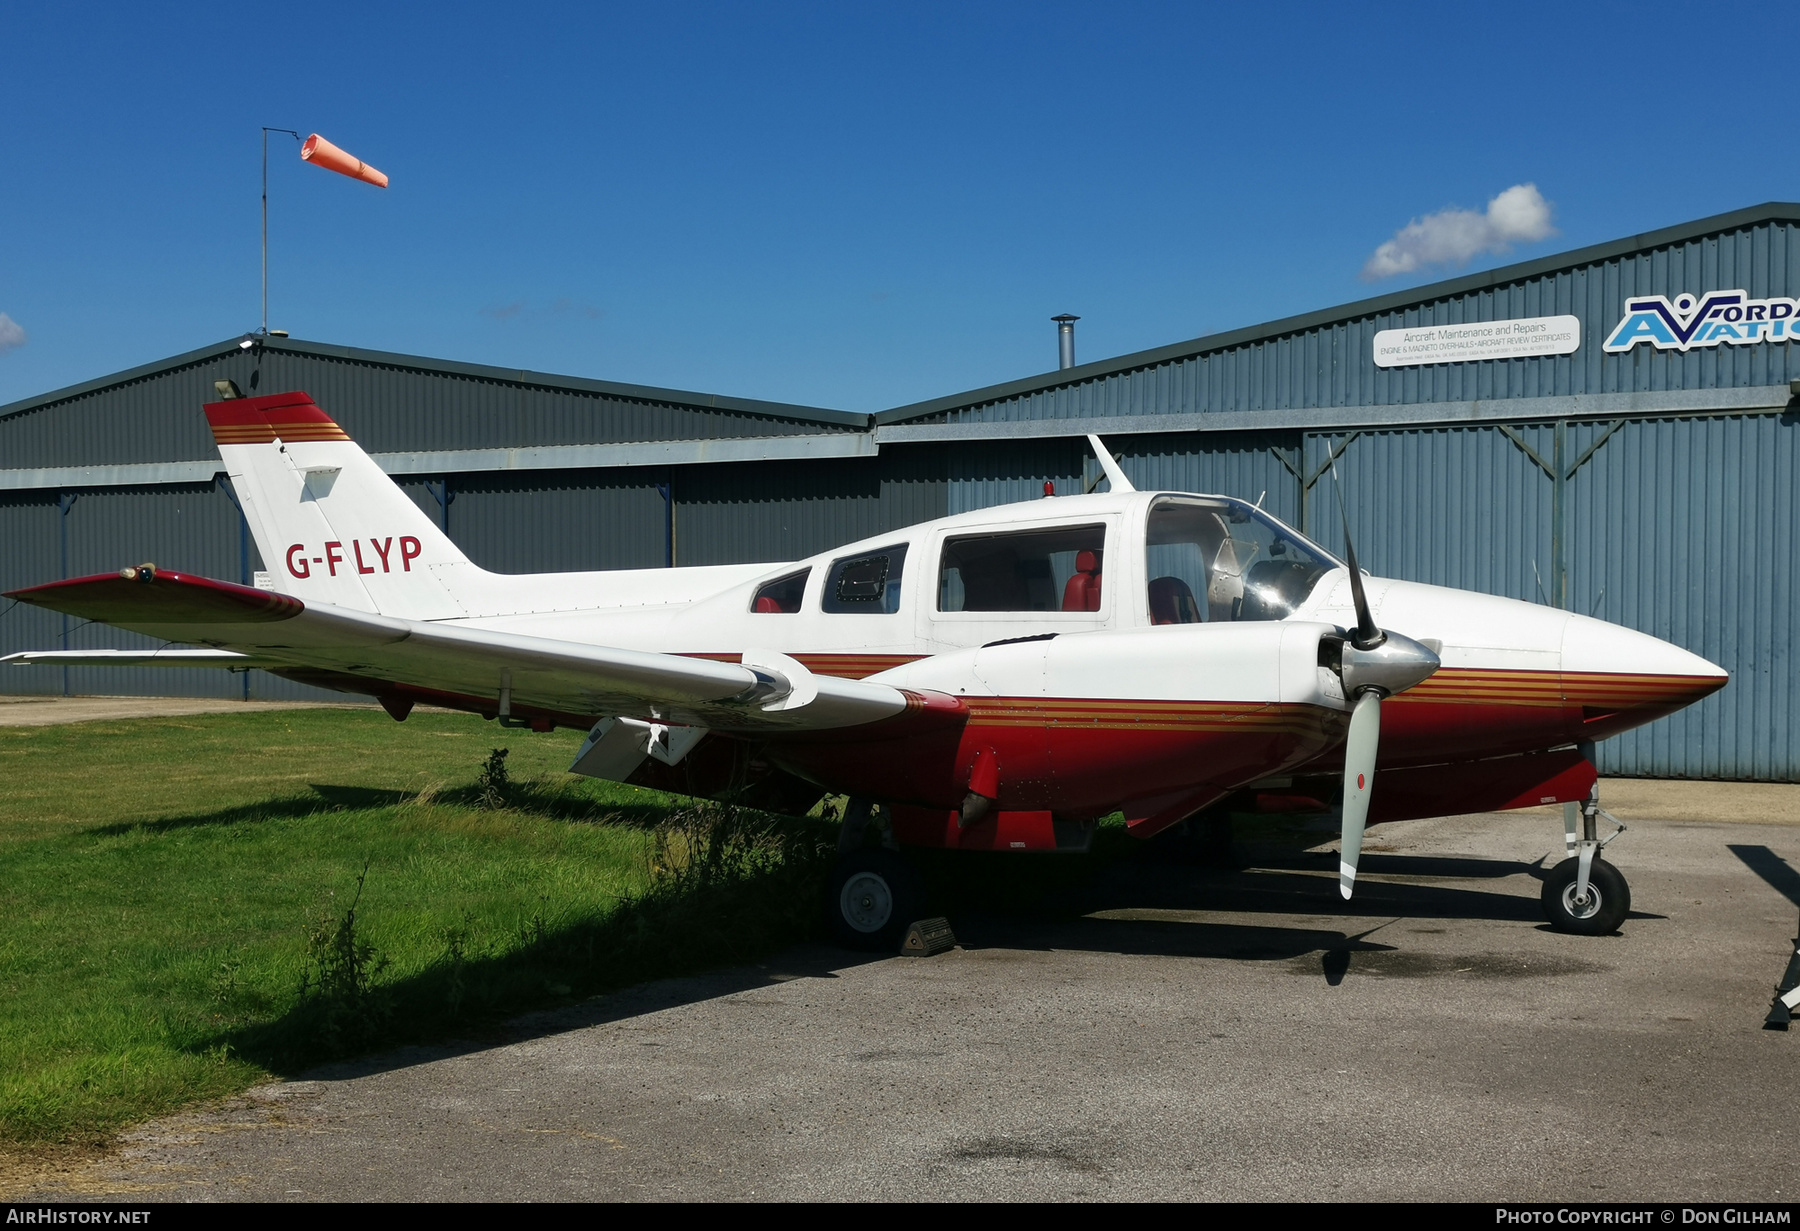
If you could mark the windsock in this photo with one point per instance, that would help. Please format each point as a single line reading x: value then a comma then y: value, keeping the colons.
x: 321, y: 152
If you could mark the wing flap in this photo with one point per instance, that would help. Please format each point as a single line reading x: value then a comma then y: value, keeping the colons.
x: 167, y: 657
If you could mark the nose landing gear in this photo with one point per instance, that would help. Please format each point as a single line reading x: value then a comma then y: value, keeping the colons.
x: 1584, y: 895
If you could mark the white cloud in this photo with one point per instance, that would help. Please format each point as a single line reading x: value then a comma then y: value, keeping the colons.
x: 11, y: 336
x: 1520, y: 215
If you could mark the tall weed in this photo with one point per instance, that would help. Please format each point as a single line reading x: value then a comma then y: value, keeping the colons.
x: 340, y: 999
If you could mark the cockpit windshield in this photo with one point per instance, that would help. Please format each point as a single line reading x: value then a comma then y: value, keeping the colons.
x: 1214, y: 558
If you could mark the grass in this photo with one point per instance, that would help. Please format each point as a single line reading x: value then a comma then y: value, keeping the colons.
x: 193, y: 905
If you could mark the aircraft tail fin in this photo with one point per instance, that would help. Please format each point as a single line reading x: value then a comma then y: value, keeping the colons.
x: 332, y: 527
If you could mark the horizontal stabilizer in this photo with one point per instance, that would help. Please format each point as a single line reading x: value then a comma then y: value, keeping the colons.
x: 152, y: 597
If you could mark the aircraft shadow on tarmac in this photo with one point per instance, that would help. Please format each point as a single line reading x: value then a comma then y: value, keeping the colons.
x: 1137, y: 907
x: 1776, y: 871
x: 1143, y: 905
x: 1306, y: 884
x: 799, y: 962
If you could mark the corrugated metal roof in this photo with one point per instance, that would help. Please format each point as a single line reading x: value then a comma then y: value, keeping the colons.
x: 1324, y: 358
x: 446, y: 367
x: 390, y: 403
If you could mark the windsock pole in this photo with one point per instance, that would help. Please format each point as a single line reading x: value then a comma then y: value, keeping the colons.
x: 265, y: 221
x: 321, y: 153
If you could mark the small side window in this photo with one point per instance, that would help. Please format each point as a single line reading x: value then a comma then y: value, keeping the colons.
x: 867, y: 583
x: 781, y: 596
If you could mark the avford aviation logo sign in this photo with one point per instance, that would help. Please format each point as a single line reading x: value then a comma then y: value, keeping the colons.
x: 1516, y: 339
x: 1717, y: 316
x: 1687, y: 322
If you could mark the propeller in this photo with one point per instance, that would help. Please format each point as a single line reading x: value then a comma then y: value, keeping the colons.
x: 1375, y: 664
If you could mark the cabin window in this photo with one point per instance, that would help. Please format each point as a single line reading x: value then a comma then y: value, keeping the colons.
x: 869, y: 583
x: 1058, y: 569
x: 781, y: 596
x: 1224, y: 560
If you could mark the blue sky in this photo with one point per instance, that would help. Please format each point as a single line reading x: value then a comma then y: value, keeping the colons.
x: 848, y: 205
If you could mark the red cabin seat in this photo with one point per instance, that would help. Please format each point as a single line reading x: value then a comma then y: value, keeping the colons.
x: 766, y: 604
x: 1172, y: 602
x: 1082, y: 591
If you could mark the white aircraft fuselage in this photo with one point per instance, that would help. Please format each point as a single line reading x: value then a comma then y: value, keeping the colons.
x: 1154, y: 653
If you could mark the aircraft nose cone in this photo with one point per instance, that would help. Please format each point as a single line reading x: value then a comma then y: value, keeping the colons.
x: 1609, y: 669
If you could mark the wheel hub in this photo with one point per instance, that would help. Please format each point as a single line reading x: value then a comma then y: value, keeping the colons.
x: 1581, y: 908
x: 867, y: 902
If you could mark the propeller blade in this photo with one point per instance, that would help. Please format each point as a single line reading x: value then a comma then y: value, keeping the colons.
x: 1359, y: 780
x: 1368, y: 634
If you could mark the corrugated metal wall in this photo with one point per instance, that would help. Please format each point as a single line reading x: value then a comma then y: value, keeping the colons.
x: 30, y: 553
x: 547, y: 521
x: 554, y: 521
x: 187, y: 529
x: 990, y: 472
x: 1686, y: 529
x: 786, y: 510
x: 1247, y: 465
x: 1461, y: 507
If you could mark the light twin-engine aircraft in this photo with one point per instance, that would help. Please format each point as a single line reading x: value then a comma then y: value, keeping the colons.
x: 996, y: 680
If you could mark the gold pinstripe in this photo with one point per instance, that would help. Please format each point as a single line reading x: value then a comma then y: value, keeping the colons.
x: 1188, y: 716
x: 1483, y: 686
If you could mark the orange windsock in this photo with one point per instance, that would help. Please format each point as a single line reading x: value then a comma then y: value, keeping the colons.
x: 321, y: 152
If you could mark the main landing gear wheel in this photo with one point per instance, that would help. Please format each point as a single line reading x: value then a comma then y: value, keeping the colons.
x: 1607, y: 903
x: 872, y: 897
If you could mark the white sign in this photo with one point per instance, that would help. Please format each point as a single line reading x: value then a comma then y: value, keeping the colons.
x: 1533, y: 335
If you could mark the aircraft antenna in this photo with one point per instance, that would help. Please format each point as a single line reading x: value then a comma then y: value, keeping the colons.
x: 1114, y: 475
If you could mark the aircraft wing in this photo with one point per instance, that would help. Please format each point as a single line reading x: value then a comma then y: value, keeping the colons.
x: 502, y: 672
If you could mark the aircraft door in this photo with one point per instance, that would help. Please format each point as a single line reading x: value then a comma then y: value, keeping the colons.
x: 993, y: 584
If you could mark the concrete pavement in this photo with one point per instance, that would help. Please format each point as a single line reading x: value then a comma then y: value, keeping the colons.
x: 1161, y: 1033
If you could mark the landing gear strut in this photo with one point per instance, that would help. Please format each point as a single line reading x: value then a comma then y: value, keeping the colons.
x: 1583, y: 894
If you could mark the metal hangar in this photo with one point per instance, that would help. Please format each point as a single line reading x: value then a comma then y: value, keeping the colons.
x: 1610, y: 430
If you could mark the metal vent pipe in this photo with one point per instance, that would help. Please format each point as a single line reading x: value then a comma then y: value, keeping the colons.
x: 1065, y: 340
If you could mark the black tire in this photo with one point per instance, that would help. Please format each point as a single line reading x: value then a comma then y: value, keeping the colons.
x: 872, y: 898
x: 1600, y: 917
